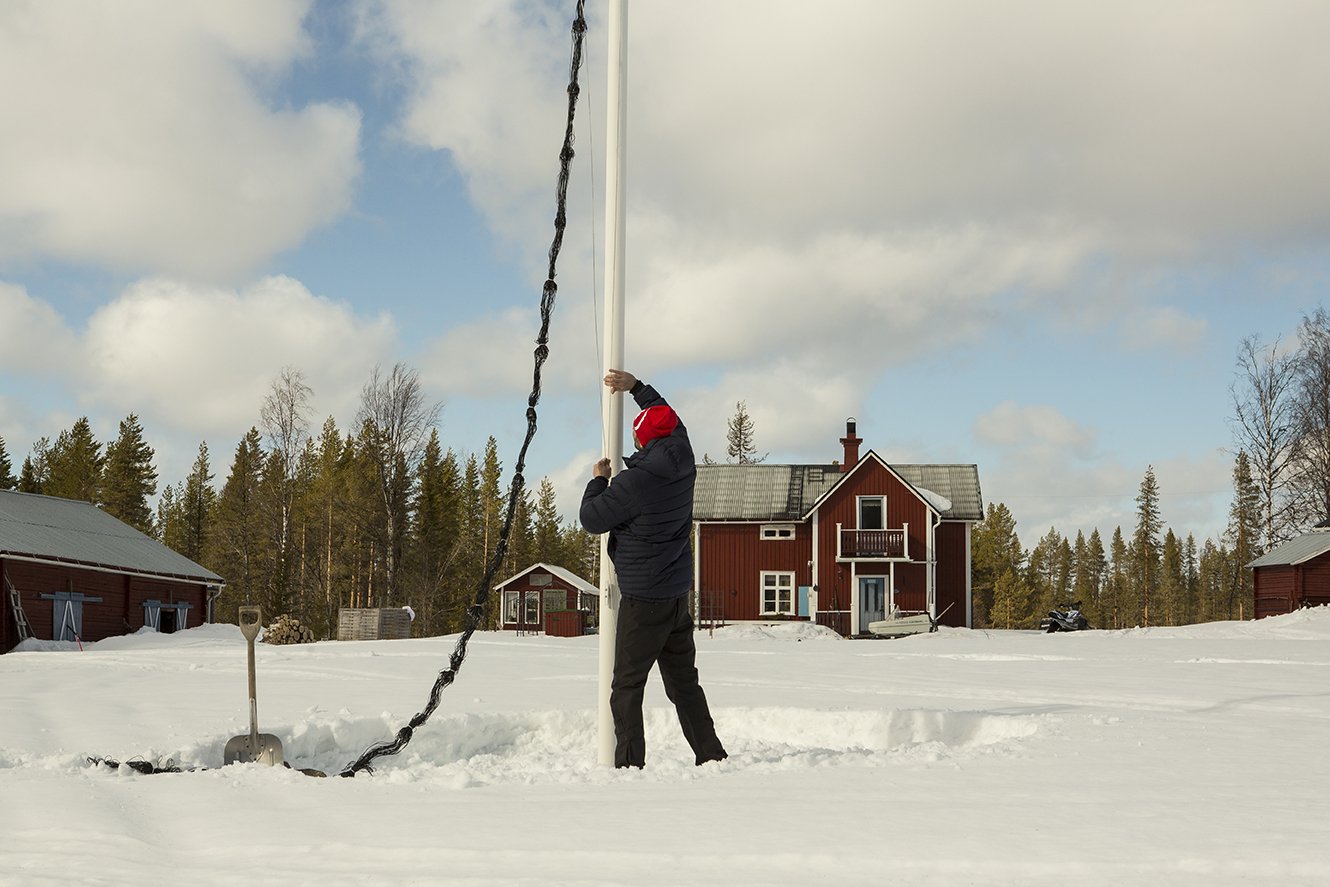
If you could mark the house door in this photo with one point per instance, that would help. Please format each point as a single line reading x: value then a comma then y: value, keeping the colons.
x: 872, y: 600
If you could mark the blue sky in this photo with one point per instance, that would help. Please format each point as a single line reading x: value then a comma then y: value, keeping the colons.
x: 1025, y: 235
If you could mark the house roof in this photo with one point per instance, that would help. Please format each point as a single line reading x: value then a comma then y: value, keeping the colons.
x: 68, y: 531
x: 567, y: 576
x: 788, y: 492
x: 1295, y: 551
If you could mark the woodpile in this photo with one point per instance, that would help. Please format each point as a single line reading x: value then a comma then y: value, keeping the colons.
x: 286, y: 629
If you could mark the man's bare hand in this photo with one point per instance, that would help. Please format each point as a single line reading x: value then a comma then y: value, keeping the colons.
x: 601, y: 469
x: 618, y: 380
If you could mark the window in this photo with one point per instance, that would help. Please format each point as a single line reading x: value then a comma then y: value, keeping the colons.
x: 777, y: 531
x: 777, y: 594
x: 530, y: 612
x: 556, y: 600
x: 872, y: 513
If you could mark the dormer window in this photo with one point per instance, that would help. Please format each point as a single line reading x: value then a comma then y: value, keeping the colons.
x: 776, y: 531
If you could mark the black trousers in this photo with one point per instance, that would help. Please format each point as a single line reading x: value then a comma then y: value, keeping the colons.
x: 658, y: 633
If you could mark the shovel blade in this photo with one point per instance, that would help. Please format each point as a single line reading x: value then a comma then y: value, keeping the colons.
x: 243, y: 750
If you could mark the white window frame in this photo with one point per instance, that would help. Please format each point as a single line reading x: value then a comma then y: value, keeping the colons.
x: 532, y: 599
x: 510, y: 599
x: 781, y: 591
x: 859, y: 511
x: 776, y: 532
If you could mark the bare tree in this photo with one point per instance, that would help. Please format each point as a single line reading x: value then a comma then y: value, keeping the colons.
x: 1311, y: 459
x: 285, y: 418
x: 1265, y: 426
x: 396, y: 423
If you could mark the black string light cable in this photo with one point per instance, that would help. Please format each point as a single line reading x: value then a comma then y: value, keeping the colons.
x: 475, y: 614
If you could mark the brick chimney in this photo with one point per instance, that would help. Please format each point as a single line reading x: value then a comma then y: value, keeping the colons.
x: 851, y: 443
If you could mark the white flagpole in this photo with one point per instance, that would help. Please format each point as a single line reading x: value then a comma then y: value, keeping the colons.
x: 616, y: 143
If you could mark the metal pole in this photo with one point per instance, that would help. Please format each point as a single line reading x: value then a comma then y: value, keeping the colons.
x: 616, y: 128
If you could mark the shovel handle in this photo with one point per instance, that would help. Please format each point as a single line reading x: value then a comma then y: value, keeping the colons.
x: 250, y: 619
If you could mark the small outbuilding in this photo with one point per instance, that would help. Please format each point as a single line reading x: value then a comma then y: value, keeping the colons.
x: 70, y: 571
x: 1293, y: 575
x: 548, y: 599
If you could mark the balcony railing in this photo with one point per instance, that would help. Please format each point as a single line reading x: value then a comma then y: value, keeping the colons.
x: 886, y: 544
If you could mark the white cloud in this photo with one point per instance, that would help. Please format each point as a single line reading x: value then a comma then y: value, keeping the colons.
x: 878, y: 199
x: 1035, y: 426
x: 1166, y: 328
x: 32, y: 334
x: 204, y: 358
x: 139, y: 136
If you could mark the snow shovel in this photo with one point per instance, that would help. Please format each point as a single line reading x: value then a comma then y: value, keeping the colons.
x: 263, y: 748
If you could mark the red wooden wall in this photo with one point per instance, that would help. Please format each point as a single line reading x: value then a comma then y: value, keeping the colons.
x: 119, y: 612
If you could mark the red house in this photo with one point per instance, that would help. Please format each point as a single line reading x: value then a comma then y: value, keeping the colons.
x: 839, y: 544
x: 1293, y: 575
x: 70, y: 571
x: 549, y: 599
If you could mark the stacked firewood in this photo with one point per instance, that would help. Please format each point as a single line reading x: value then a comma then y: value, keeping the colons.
x: 286, y: 629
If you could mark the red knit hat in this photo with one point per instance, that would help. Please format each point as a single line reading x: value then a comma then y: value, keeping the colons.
x: 654, y: 422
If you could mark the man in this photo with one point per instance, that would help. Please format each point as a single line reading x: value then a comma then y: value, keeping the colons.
x: 648, y: 512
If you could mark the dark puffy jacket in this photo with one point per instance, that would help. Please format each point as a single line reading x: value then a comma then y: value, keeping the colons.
x: 648, y: 512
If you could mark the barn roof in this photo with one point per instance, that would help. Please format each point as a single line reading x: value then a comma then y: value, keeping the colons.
x: 1295, y: 551
x: 788, y: 492
x: 45, y: 528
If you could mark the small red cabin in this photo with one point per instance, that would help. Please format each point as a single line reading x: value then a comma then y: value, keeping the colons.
x: 1293, y: 575
x: 548, y: 599
x: 838, y: 544
x: 70, y: 571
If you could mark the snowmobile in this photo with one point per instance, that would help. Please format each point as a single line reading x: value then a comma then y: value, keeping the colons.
x: 1066, y: 617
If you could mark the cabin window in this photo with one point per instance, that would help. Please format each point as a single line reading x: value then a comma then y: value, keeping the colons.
x: 539, y: 580
x: 777, y: 531
x: 532, y: 608
x: 555, y: 600
x: 510, y: 607
x: 777, y: 594
x: 872, y: 512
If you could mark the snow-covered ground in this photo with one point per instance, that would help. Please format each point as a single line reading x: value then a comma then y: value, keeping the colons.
x: 1181, y: 756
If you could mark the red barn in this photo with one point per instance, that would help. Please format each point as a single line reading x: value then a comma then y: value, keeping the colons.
x: 71, y: 571
x: 1293, y: 575
x: 839, y: 544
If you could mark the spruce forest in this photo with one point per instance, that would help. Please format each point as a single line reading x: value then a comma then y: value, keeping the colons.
x: 382, y: 514
x: 311, y: 520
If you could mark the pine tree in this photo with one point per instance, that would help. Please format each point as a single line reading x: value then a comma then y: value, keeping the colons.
x: 1011, y: 600
x: 239, y: 529
x: 994, y: 549
x: 76, y: 463
x: 1117, y: 588
x: 491, y: 503
x: 7, y: 479
x: 739, y: 434
x: 170, y: 523
x: 129, y: 479
x: 198, y: 501
x: 1244, y: 529
x: 1172, y: 584
x: 547, y: 541
x: 1145, y: 544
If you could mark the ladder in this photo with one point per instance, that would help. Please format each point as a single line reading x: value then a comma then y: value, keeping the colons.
x: 16, y: 604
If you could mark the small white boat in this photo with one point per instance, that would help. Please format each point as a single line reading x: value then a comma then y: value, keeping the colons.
x: 900, y: 623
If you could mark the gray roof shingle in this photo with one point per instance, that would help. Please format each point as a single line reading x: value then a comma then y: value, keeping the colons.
x: 69, y: 531
x: 788, y: 492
